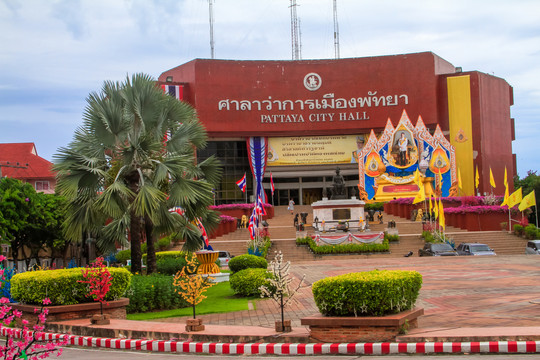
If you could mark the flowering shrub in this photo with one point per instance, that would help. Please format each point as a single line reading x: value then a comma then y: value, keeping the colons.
x: 227, y: 218
x: 190, y: 285
x: 483, y: 209
x: 28, y: 346
x: 62, y: 286
x: 98, y: 279
x: 244, y: 206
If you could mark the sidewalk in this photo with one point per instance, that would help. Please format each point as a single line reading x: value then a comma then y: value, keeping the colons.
x: 464, y: 298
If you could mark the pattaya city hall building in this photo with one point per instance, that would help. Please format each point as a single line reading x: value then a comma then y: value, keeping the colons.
x: 316, y: 115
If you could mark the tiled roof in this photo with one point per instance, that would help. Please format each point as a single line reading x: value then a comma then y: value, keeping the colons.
x: 24, y: 154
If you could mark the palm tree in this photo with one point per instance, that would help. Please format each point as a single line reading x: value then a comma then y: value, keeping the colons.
x: 131, y: 160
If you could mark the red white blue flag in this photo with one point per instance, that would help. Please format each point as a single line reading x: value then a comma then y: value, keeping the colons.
x: 201, y: 228
x: 272, y: 184
x: 257, y: 154
x: 242, y: 183
x: 176, y: 91
x: 253, y: 224
x: 259, y: 206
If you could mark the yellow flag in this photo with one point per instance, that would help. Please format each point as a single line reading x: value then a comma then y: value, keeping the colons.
x: 528, y: 201
x: 435, y: 208
x: 505, y: 201
x: 441, y: 214
x: 420, y: 195
x: 491, y: 179
x: 514, y: 199
x: 505, y: 177
x: 477, y: 178
x: 460, y: 184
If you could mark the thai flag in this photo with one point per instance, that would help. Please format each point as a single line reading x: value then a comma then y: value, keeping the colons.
x: 242, y: 183
x: 260, y: 206
x: 175, y: 91
x: 177, y: 209
x: 272, y: 184
x: 253, y: 225
x: 201, y: 228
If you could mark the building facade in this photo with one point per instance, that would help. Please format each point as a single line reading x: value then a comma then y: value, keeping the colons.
x: 317, y: 114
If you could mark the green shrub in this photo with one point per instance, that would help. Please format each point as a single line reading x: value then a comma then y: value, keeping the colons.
x: 123, y: 256
x: 153, y: 292
x: 163, y: 243
x: 170, y: 254
x: 170, y: 266
x: 61, y: 286
x: 372, y: 293
x: 391, y: 238
x: 530, y: 232
x: 344, y: 248
x: 374, y: 206
x: 518, y: 229
x: 428, y: 237
x: 247, y: 282
x: 247, y: 261
x: 144, y: 247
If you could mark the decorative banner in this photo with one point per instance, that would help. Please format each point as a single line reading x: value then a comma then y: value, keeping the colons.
x: 257, y: 153
x: 311, y: 150
x: 339, y: 239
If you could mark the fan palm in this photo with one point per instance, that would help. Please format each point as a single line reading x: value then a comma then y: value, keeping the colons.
x: 131, y: 160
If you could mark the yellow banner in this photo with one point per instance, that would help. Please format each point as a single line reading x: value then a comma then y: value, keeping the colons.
x: 311, y: 150
x: 460, y: 121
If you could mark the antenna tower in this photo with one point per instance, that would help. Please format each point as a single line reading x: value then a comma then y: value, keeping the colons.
x: 211, y: 16
x: 336, y: 31
x: 294, y: 32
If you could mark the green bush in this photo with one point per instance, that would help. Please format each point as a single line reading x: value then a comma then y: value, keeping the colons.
x: 391, y: 238
x: 372, y: 293
x: 247, y: 282
x: 247, y: 261
x: 170, y: 254
x: 428, y: 237
x: 153, y: 292
x: 170, y: 266
x: 374, y: 206
x: 123, y: 256
x: 530, y: 232
x: 144, y: 247
x: 163, y: 243
x: 344, y: 248
x: 61, y: 286
x: 518, y: 229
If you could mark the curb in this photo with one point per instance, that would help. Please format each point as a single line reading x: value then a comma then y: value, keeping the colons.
x: 298, y: 349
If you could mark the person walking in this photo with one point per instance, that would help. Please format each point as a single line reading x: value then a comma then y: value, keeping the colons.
x: 291, y: 206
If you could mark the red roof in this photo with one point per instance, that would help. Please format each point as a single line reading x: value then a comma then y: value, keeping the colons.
x: 25, y: 155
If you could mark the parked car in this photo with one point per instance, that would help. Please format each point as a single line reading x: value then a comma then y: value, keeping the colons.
x: 224, y: 257
x: 474, y: 249
x: 533, y: 247
x: 437, y: 249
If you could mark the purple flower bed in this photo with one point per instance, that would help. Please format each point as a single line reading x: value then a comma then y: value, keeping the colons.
x: 227, y: 218
x: 469, y: 201
x: 483, y: 209
x: 236, y: 206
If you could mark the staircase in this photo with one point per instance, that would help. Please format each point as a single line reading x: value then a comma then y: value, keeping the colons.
x: 284, y: 234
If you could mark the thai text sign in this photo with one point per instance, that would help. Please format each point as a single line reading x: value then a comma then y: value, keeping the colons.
x: 311, y: 150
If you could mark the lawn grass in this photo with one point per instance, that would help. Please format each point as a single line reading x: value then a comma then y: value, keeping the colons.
x: 220, y: 299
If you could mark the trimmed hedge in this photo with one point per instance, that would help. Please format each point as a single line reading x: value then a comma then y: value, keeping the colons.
x: 61, y: 286
x: 343, y: 249
x: 247, y: 261
x: 371, y: 293
x: 153, y: 292
x: 123, y: 256
x: 248, y: 281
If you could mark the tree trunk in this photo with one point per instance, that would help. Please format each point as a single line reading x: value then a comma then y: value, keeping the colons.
x: 150, y: 246
x: 135, y: 234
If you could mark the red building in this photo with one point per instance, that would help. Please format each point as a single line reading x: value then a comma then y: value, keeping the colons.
x: 21, y: 161
x: 316, y: 112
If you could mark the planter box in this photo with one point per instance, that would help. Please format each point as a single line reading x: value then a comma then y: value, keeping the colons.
x: 115, y: 309
x: 361, y: 329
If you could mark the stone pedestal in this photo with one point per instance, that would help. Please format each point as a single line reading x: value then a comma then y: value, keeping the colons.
x: 284, y: 326
x: 332, y: 212
x: 99, y: 319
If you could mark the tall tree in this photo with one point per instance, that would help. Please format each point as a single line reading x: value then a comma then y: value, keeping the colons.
x: 131, y: 160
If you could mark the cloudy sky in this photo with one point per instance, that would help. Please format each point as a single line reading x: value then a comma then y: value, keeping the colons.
x: 53, y: 53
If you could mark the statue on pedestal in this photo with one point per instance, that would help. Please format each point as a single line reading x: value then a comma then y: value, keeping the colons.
x: 338, y: 186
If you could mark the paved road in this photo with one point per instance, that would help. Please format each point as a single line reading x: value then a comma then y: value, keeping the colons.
x: 95, y: 354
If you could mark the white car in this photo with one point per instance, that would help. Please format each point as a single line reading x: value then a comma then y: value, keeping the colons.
x: 224, y: 257
x: 533, y: 247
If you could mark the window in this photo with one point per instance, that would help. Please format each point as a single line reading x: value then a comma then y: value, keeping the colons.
x: 42, y: 185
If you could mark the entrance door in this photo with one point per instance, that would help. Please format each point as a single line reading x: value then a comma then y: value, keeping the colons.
x: 309, y: 196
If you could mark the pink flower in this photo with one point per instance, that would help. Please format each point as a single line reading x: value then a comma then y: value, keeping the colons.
x: 2, y: 258
x: 47, y: 301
